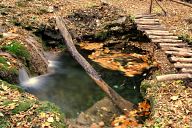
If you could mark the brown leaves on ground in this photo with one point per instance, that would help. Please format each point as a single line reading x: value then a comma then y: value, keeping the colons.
x: 132, y: 118
x: 172, y: 105
x: 19, y: 109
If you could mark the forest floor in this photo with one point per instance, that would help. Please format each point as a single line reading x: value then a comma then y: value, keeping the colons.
x: 171, y: 101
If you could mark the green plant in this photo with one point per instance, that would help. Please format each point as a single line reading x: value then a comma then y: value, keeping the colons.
x: 1, y: 35
x: 3, y: 61
x: 23, y: 106
x: 186, y: 38
x: 17, y: 49
x: 4, y: 123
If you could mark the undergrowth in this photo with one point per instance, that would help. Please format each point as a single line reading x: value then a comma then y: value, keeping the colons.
x: 17, y: 49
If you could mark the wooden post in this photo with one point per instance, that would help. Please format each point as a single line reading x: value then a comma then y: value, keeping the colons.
x: 123, y: 104
x: 150, y: 8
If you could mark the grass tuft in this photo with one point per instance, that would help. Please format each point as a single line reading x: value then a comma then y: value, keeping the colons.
x: 17, y: 49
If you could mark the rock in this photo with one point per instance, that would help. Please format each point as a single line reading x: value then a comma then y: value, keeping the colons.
x: 52, y: 42
x: 116, y: 28
x: 101, y: 124
x: 94, y: 125
x: 121, y: 20
x: 50, y: 9
x: 83, y: 119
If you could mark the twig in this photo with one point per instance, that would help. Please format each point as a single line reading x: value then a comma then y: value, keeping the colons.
x: 161, y: 8
x: 183, y: 3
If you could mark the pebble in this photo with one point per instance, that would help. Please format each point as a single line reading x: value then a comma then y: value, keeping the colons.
x: 101, y: 124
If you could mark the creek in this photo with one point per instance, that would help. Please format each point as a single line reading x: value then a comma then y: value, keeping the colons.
x: 69, y: 86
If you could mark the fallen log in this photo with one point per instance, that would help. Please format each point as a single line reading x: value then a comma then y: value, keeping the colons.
x: 180, y: 59
x: 186, y: 70
x: 182, y: 65
x: 115, y: 97
x: 174, y: 77
x: 176, y: 53
x: 183, y: 3
x: 163, y: 37
x: 166, y: 40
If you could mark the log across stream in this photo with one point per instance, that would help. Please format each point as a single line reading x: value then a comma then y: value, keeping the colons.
x: 74, y: 91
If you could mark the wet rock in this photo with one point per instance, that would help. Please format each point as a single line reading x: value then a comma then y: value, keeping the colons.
x: 83, y: 119
x: 116, y: 28
x: 120, y: 20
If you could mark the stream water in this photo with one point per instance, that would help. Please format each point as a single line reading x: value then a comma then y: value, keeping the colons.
x: 73, y: 90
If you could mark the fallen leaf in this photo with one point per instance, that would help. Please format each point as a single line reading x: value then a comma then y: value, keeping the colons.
x: 42, y: 115
x: 46, y: 124
x: 174, y: 98
x: 50, y: 120
x: 1, y: 114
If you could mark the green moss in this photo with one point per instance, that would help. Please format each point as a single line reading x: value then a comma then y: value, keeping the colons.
x: 1, y: 35
x: 23, y: 106
x: 101, y: 36
x: 47, y: 106
x: 50, y: 107
x: 144, y: 85
x: 17, y: 49
x: 4, y: 123
x: 186, y: 38
x: 12, y: 86
x: 3, y: 61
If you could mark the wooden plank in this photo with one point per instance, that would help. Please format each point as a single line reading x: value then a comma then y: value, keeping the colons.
x: 144, y: 16
x: 180, y: 59
x: 176, y: 53
x: 172, y: 45
x: 150, y: 28
x: 182, y: 65
x: 186, y: 70
x: 147, y: 20
x: 158, y: 26
x: 166, y: 40
x: 162, y: 37
x: 185, y: 49
x: 158, y: 33
x: 181, y: 76
x: 148, y: 23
